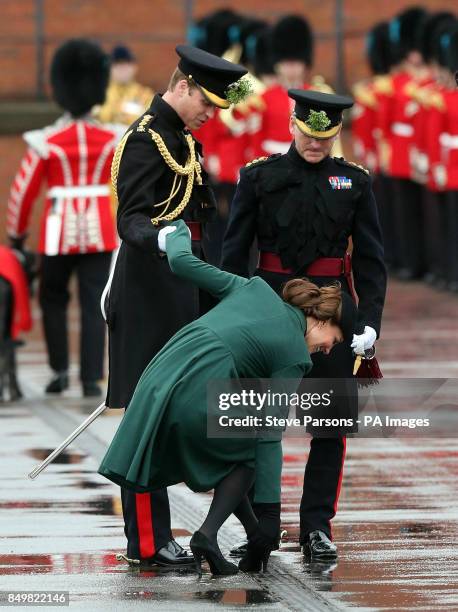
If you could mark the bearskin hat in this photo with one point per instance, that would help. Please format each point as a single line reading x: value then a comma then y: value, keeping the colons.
x: 378, y: 48
x: 292, y: 39
x: 406, y: 32
x: 249, y: 28
x: 440, y: 42
x: 452, y: 51
x: 259, y: 52
x: 80, y: 72
x: 430, y: 30
x: 212, y: 32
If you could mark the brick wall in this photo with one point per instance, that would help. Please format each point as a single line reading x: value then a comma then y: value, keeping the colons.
x: 153, y: 27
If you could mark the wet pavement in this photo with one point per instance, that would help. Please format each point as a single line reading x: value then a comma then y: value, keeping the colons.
x: 396, y: 528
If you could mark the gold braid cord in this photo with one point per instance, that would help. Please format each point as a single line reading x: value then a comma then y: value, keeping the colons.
x: 116, y: 161
x: 191, y: 170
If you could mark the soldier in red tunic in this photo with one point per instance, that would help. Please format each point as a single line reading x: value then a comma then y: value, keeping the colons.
x: 365, y: 128
x: 447, y: 170
x: 426, y: 151
x: 78, y: 232
x: 397, y: 128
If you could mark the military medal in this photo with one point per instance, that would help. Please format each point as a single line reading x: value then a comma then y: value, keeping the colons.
x: 340, y: 182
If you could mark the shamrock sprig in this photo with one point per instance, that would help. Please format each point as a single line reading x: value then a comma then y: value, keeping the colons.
x: 239, y: 91
x: 318, y: 121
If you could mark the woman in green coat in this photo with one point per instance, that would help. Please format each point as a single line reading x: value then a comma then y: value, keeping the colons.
x: 251, y: 333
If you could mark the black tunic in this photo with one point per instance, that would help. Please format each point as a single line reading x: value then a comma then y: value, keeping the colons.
x: 292, y: 209
x: 148, y: 303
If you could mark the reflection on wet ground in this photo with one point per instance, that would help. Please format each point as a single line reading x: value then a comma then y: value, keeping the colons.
x: 396, y: 528
x: 65, y: 457
x: 396, y: 531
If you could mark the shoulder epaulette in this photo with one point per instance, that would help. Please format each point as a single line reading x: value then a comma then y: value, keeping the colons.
x: 345, y: 162
x: 437, y: 101
x: 362, y: 93
x: 422, y: 95
x: 383, y: 84
x: 265, y: 159
x: 37, y: 140
x: 145, y: 122
x: 256, y: 161
x: 411, y: 88
x: 318, y: 83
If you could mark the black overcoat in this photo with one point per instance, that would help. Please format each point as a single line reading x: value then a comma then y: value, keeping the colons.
x: 147, y: 303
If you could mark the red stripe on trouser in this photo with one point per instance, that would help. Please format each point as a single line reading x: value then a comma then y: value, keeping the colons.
x: 145, y: 525
x: 339, y: 483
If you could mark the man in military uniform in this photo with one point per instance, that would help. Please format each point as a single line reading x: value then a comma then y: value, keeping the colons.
x: 303, y: 207
x: 158, y: 178
x: 78, y: 231
x: 126, y: 98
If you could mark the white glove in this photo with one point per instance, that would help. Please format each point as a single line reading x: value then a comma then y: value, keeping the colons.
x: 365, y: 341
x: 161, y: 236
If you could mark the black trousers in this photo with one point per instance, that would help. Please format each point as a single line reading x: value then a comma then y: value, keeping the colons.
x: 383, y: 189
x: 215, y: 230
x: 450, y: 245
x: 409, y: 219
x: 322, y: 484
x: 146, y: 522
x: 434, y: 237
x: 92, y: 271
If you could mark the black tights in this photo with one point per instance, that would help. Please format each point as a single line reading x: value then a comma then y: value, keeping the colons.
x: 244, y: 512
x: 230, y: 496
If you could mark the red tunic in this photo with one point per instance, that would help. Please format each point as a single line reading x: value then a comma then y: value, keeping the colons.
x: 272, y: 134
x: 12, y: 271
x: 73, y: 157
x: 448, y: 140
x: 363, y: 124
x: 430, y: 125
x: 224, y: 139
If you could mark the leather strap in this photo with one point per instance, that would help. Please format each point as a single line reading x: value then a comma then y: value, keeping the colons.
x: 324, y: 266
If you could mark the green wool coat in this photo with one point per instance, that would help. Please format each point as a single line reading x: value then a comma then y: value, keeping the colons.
x: 251, y: 333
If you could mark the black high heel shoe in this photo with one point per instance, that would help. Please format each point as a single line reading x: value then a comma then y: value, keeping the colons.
x: 202, y: 548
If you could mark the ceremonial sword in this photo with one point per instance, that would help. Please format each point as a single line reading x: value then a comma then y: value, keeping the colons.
x: 56, y: 452
x: 98, y: 411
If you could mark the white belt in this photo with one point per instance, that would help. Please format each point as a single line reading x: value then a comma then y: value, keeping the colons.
x: 78, y: 191
x: 448, y: 141
x: 402, y: 129
x: 276, y: 146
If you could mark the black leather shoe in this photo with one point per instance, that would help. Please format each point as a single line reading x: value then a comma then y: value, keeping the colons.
x: 58, y: 383
x: 239, y: 550
x: 91, y: 389
x: 170, y: 555
x: 319, y: 547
